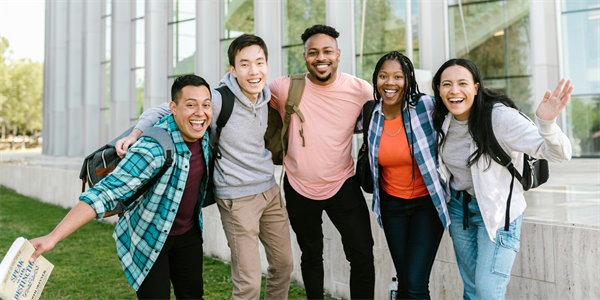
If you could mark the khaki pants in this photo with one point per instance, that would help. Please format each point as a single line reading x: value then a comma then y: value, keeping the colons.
x: 245, y: 220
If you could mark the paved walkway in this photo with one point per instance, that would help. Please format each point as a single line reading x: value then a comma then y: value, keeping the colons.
x: 571, y: 195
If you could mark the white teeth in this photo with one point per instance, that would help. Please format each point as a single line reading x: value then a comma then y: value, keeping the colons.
x: 197, y: 122
x: 455, y: 100
x: 390, y: 91
x: 254, y: 81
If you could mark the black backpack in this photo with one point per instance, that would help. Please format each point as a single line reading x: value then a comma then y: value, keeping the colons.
x: 103, y: 161
x: 535, y: 171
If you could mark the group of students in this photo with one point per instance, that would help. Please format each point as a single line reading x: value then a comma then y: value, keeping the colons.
x: 429, y: 158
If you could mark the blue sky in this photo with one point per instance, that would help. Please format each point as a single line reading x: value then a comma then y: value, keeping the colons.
x: 22, y: 23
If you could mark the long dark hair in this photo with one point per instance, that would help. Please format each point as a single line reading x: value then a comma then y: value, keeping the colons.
x: 410, y: 93
x: 480, y: 116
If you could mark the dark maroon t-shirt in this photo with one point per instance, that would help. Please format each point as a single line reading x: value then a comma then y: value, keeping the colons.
x: 185, y: 220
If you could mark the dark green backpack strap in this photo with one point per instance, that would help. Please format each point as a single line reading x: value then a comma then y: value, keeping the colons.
x: 297, y: 83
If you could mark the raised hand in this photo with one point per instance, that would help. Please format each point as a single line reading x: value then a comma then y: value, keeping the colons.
x: 554, y: 103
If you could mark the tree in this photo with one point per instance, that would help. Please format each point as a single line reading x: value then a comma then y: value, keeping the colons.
x: 20, y: 92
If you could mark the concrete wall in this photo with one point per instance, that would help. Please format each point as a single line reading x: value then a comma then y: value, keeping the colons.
x: 556, y: 260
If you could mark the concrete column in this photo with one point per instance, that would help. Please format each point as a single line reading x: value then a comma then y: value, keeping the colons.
x: 92, y: 56
x: 58, y: 78
x: 433, y: 45
x: 208, y: 47
x: 155, y: 82
x: 340, y: 15
x: 268, y: 24
x: 74, y: 118
x: 544, y: 48
x: 120, y: 74
x: 46, y: 96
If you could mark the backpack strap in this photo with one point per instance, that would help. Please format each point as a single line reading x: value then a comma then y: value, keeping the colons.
x: 297, y: 83
x: 501, y: 157
x: 163, y: 138
x: 226, y: 109
x: 367, y: 114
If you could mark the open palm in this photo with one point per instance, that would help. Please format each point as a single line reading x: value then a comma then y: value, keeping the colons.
x: 554, y: 103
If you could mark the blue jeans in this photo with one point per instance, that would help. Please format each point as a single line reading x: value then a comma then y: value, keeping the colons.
x: 484, y: 265
x: 413, y: 231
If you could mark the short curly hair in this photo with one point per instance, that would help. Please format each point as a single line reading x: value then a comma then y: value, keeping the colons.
x: 316, y: 29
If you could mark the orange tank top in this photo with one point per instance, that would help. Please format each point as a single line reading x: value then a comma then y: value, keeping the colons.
x: 395, y: 161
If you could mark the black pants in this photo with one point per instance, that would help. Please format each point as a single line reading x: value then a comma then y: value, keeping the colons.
x: 413, y: 231
x: 349, y: 214
x: 179, y: 262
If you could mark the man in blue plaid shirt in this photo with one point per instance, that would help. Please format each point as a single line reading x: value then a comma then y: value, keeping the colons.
x: 159, y: 239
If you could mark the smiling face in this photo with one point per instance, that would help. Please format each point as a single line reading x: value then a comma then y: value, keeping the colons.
x: 457, y: 90
x: 192, y: 112
x: 321, y: 56
x: 251, y: 71
x: 390, y: 83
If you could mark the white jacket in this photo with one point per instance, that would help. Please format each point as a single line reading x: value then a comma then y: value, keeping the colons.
x: 516, y: 135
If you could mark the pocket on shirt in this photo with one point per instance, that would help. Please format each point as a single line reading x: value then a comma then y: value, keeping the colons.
x: 507, y: 246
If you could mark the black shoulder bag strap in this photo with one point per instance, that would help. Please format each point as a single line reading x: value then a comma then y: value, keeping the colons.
x: 501, y: 157
x: 227, y: 101
x: 226, y: 109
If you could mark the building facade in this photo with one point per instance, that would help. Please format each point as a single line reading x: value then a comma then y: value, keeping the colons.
x: 106, y: 61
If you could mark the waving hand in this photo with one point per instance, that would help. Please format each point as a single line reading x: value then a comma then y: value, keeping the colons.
x: 554, y: 103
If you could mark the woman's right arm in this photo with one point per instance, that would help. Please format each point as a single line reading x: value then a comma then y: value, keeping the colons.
x: 544, y: 141
x: 146, y: 120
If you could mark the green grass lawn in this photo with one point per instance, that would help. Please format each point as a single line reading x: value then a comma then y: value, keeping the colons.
x: 86, y: 265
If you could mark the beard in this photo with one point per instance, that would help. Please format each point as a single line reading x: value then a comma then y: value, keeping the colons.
x: 323, y: 79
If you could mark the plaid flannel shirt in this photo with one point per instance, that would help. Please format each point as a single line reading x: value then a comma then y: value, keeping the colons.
x: 424, y: 151
x: 144, y: 227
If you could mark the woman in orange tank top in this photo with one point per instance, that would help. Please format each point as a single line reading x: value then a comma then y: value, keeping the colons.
x: 408, y: 197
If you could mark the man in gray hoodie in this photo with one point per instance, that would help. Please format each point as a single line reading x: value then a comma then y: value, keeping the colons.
x: 245, y: 189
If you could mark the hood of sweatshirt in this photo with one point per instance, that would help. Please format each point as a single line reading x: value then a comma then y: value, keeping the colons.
x: 231, y: 82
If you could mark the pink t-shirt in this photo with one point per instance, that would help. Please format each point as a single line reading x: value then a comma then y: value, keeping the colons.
x: 319, y: 169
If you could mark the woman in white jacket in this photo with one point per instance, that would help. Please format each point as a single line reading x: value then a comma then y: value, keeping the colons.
x: 467, y: 117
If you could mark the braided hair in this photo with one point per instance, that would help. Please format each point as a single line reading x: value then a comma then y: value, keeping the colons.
x: 410, y: 94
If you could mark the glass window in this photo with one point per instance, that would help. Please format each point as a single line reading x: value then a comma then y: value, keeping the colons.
x: 105, y: 69
x: 583, y: 116
x: 140, y: 9
x: 238, y: 18
x: 579, y: 5
x: 384, y: 30
x: 183, y: 27
x: 581, y: 45
x: 298, y: 15
x: 139, y: 60
x: 139, y: 92
x: 495, y: 36
x: 581, y: 50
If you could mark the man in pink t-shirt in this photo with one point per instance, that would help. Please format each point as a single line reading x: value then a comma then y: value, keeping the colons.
x: 319, y: 166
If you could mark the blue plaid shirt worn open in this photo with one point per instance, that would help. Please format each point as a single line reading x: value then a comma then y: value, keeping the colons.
x: 144, y: 227
x: 424, y: 151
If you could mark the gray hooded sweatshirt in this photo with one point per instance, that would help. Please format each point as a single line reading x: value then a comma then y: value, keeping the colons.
x: 246, y: 168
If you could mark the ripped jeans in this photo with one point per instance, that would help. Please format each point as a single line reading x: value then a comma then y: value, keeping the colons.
x: 484, y: 265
